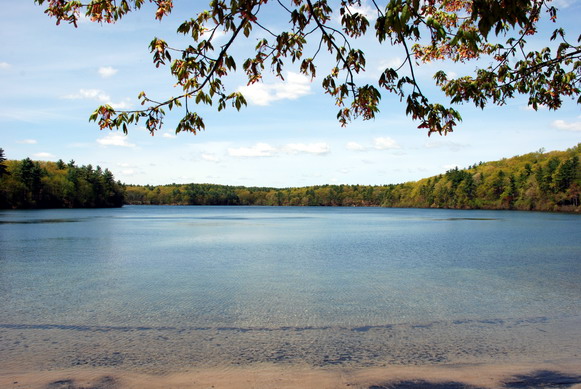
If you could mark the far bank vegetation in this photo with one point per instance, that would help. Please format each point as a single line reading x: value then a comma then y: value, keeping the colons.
x: 31, y: 184
x: 540, y: 181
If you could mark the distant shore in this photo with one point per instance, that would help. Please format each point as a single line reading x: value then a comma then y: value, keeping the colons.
x: 536, y: 181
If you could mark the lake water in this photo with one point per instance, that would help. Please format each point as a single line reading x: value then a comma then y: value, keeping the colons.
x: 167, y: 288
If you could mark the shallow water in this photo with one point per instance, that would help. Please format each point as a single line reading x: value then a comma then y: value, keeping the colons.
x: 166, y: 288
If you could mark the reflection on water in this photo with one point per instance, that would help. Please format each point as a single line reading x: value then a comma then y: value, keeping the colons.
x: 467, y: 218
x: 165, y: 287
x: 39, y: 221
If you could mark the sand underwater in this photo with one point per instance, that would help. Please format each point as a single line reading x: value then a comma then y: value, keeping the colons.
x: 476, y: 354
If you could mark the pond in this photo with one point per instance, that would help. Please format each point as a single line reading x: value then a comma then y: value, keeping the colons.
x: 161, y: 288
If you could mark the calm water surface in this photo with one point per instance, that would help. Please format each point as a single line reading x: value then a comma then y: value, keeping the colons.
x: 254, y: 284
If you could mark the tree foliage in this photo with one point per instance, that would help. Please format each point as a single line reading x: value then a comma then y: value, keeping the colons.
x: 493, y: 31
x: 3, y: 167
x: 35, y: 184
x: 536, y: 181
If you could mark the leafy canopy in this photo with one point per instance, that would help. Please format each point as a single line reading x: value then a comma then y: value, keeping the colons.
x: 428, y: 30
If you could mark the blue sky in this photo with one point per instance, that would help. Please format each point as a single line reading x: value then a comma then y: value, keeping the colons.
x: 53, y: 77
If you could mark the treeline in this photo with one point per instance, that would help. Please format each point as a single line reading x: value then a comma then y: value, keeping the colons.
x: 536, y: 181
x: 32, y: 184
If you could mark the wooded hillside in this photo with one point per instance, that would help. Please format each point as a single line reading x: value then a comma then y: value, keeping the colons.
x: 30, y: 184
x: 541, y: 181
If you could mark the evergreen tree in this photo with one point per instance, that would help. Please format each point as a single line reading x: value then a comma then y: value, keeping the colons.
x: 566, y: 173
x: 3, y: 167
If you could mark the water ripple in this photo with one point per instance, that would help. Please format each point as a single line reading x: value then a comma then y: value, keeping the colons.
x: 93, y: 328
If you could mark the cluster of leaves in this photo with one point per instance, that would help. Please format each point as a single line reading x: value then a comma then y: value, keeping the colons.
x: 33, y: 184
x: 536, y: 181
x: 457, y: 30
x: 100, y: 11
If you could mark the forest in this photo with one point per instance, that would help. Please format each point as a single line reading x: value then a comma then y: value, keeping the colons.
x: 538, y: 181
x: 31, y: 184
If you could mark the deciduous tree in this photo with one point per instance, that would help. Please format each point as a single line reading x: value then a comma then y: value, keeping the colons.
x: 458, y: 30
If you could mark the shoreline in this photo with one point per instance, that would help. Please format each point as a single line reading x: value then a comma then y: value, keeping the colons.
x: 554, y: 374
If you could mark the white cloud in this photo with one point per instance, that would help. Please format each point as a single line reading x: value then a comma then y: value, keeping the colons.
x: 364, y: 9
x: 216, y: 34
x: 311, y: 148
x: 379, y: 143
x: 210, y: 158
x: 266, y: 150
x: 5, y: 66
x: 452, y: 146
x: 115, y: 140
x: 43, y: 155
x: 168, y: 135
x: 27, y: 141
x: 394, y: 62
x: 354, y: 146
x: 295, y: 86
x: 566, y: 126
x: 258, y: 150
x: 385, y: 143
x: 90, y: 94
x: 125, y: 104
x: 257, y: 94
x: 107, y: 71
x: 99, y: 96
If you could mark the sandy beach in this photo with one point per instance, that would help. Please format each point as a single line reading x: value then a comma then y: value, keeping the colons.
x: 556, y: 374
x: 475, y: 355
